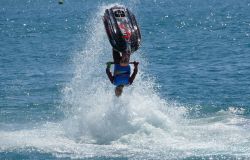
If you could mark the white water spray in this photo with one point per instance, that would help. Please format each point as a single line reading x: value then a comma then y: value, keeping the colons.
x: 138, y: 125
x: 94, y: 112
x: 139, y: 117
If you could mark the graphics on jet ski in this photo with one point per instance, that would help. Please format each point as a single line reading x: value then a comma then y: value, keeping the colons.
x: 122, y: 29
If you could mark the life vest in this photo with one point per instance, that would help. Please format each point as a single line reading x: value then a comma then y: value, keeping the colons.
x: 121, y: 75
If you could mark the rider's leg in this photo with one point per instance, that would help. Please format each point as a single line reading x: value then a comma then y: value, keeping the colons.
x: 116, y: 56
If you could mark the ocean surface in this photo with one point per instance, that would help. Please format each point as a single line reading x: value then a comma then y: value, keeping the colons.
x: 190, y: 99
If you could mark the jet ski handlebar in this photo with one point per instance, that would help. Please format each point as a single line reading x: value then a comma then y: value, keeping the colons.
x: 129, y: 62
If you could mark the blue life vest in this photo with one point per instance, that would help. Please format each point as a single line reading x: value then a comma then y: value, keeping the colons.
x: 121, y: 75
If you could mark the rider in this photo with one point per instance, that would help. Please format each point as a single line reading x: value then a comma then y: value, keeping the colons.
x: 122, y: 72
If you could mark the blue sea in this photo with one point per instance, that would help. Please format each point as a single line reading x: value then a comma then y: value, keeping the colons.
x: 190, y: 99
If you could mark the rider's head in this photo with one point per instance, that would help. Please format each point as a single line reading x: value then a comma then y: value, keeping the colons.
x: 118, y: 90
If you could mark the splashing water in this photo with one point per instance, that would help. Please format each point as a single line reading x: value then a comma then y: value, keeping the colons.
x: 90, y: 96
x: 140, y: 119
x: 137, y: 125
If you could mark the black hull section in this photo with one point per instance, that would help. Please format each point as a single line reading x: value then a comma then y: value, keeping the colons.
x: 116, y: 35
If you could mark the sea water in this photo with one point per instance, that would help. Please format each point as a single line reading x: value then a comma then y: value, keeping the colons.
x: 190, y: 99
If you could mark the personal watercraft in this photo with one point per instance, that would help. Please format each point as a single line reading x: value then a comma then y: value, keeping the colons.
x: 122, y: 29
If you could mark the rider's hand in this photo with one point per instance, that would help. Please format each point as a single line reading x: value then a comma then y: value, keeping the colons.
x: 136, y: 63
x: 108, y: 65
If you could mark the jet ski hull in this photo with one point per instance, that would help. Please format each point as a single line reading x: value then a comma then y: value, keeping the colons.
x: 122, y: 29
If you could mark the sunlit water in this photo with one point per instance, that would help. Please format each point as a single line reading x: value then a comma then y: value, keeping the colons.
x: 190, y: 99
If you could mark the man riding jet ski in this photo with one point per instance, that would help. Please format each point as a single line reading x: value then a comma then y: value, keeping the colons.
x: 125, y: 38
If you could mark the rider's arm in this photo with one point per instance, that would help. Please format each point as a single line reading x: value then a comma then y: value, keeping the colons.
x: 109, y: 74
x: 131, y: 79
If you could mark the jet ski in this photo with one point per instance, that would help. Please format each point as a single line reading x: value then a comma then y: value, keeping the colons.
x: 122, y: 29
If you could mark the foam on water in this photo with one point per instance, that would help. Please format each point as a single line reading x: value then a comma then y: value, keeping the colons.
x: 138, y: 125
